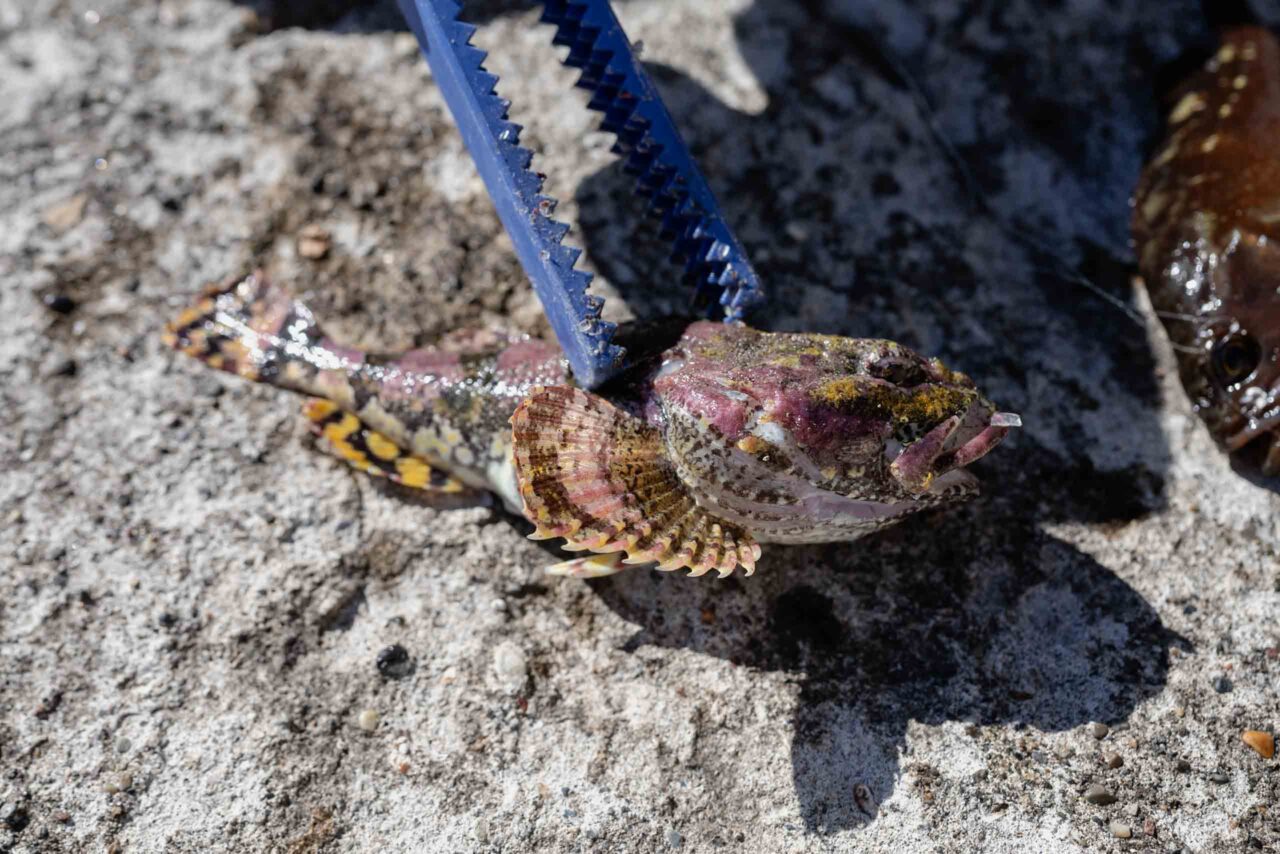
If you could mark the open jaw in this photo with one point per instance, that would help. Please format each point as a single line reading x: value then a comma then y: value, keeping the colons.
x: 936, y: 461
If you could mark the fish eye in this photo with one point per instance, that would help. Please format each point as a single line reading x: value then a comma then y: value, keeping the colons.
x: 1234, y: 359
x: 897, y: 371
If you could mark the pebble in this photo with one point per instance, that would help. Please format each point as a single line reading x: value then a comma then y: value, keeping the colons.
x: 368, y: 720
x: 1120, y: 830
x: 674, y: 839
x: 1222, y: 685
x: 1112, y: 760
x: 1099, y: 795
x: 65, y: 214
x: 1263, y: 743
x: 113, y: 785
x: 313, y: 242
x: 510, y: 665
x: 393, y: 662
x: 1183, y: 765
x: 1098, y: 730
x: 1219, y: 777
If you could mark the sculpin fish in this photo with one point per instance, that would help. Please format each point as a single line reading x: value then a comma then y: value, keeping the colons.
x: 1207, y: 229
x: 725, y: 439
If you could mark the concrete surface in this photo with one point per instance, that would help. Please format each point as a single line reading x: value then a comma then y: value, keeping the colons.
x: 193, y: 600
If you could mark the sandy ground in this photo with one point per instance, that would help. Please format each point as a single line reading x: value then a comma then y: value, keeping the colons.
x: 193, y: 600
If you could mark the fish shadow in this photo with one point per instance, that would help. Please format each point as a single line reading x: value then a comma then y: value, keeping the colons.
x: 976, y: 616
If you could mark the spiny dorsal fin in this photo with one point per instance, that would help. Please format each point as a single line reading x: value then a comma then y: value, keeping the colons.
x: 600, y: 478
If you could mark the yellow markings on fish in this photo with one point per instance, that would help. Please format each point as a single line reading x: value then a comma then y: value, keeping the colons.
x: 928, y: 404
x: 1227, y: 54
x: 337, y: 433
x: 382, y: 447
x: 413, y: 472
x: 1209, y: 144
x: 1154, y: 205
x: 1240, y: 82
x: 318, y: 409
x: 1191, y: 103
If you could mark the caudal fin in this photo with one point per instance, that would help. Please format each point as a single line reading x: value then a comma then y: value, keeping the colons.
x: 246, y: 329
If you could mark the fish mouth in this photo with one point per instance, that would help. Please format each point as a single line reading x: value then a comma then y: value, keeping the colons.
x: 935, y: 462
x: 1253, y: 429
x: 1258, y: 445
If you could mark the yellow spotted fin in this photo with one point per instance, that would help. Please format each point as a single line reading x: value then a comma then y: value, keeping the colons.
x: 350, y: 439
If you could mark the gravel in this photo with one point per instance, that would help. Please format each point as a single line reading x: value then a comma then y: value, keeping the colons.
x: 186, y: 573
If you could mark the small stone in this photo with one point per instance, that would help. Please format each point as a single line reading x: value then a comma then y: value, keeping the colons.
x: 1099, y: 730
x: 1131, y: 810
x: 60, y: 816
x: 1112, y: 760
x: 65, y: 214
x: 313, y: 242
x: 1263, y: 743
x: 368, y: 720
x: 674, y: 839
x: 1183, y: 765
x: 123, y: 745
x: 1219, y: 777
x: 1179, y: 711
x: 1222, y: 685
x: 393, y: 662
x: 1120, y: 830
x: 510, y: 665
x: 1099, y: 795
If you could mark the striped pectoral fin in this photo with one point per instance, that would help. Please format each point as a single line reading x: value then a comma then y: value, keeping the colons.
x: 600, y: 478
x: 348, y: 438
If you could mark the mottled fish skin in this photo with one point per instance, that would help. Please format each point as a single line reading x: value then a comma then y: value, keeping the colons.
x: 449, y: 404
x: 729, y: 438
x: 805, y: 438
x: 1207, y: 232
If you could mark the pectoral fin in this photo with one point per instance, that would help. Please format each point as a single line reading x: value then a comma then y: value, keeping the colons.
x: 600, y: 478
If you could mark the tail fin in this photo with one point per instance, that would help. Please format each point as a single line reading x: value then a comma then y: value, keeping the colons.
x: 252, y: 329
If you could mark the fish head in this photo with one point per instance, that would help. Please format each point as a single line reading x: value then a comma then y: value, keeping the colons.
x: 815, y: 438
x: 1235, y: 372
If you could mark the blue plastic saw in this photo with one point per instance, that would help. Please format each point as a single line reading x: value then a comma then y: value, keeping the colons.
x: 666, y: 175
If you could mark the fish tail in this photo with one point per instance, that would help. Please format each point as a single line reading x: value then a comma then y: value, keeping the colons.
x: 256, y: 330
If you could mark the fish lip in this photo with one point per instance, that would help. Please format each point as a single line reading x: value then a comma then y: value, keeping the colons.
x: 1252, y: 430
x: 929, y: 461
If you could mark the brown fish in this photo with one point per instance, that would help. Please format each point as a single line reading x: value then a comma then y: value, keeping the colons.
x: 1206, y: 227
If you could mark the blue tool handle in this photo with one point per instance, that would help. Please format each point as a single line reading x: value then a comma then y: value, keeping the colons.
x: 493, y: 142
